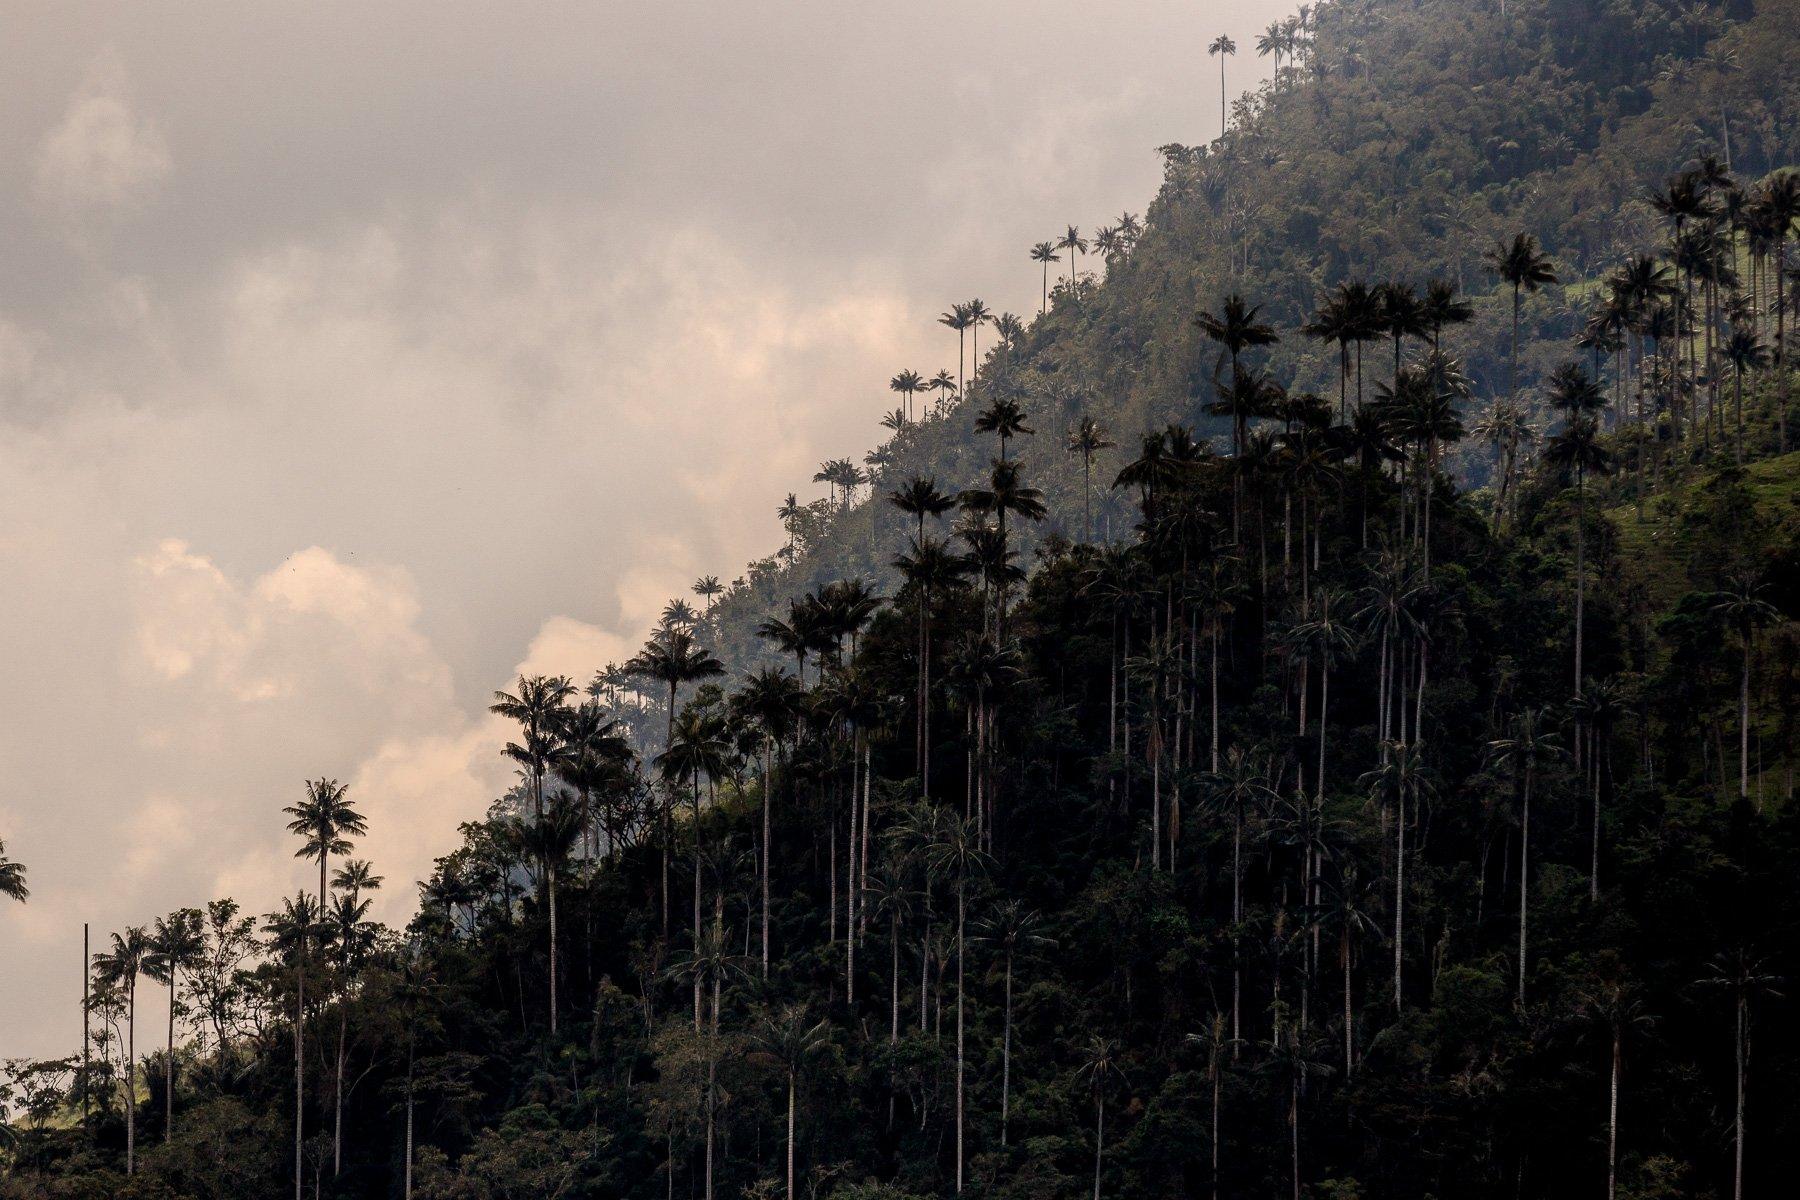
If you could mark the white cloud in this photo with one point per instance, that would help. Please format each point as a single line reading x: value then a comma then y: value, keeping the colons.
x: 102, y: 156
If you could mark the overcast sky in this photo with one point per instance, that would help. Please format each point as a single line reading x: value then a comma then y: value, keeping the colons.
x: 355, y: 357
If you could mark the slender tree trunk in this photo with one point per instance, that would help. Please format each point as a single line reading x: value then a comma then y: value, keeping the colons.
x: 131, y: 1086
x: 1612, y: 1123
x: 1741, y: 1054
x: 551, y: 873
x: 1217, y: 1082
x: 1099, y: 1140
x: 1006, y: 1057
x: 1744, y: 722
x: 1349, y: 1044
x: 299, y: 1071
x: 1524, y: 879
x: 961, y: 910
x: 169, y: 1066
x: 790, y: 1136
x: 1399, y: 896
x: 768, y: 780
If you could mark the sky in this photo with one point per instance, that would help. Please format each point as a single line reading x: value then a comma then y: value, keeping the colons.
x: 356, y: 358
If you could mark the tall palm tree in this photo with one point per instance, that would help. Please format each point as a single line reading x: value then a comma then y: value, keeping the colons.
x: 1528, y: 746
x: 1744, y: 977
x: 1218, y: 1044
x: 1347, y: 905
x: 1005, y: 417
x: 959, y: 319
x: 908, y: 384
x: 1578, y: 448
x: 12, y: 877
x: 347, y: 926
x: 551, y: 840
x: 1224, y: 48
x: 1597, y: 708
x: 1232, y: 792
x: 1401, y: 776
x: 121, y: 967
x: 1237, y: 329
x: 769, y: 701
x: 538, y: 708
x: 979, y: 314
x: 1076, y: 245
x: 930, y: 570
x: 944, y: 385
x: 1045, y: 253
x: 1292, y: 1061
x: 1332, y: 636
x: 1745, y: 352
x: 173, y: 947
x: 1522, y: 266
x: 708, y: 587
x: 919, y: 498
x: 1012, y: 930
x: 957, y: 855
x: 1101, y: 1069
x: 1442, y: 306
x: 327, y: 819
x: 1617, y: 1006
x: 785, y: 1040
x: 1745, y: 610
x: 1087, y: 439
x: 672, y: 657
x: 292, y: 931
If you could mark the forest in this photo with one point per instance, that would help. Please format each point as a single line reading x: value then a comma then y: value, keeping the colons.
x: 1309, y: 713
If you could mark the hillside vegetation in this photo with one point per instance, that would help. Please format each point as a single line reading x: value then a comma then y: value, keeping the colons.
x: 1286, y: 727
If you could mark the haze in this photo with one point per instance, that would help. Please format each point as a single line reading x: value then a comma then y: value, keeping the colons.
x: 354, y: 358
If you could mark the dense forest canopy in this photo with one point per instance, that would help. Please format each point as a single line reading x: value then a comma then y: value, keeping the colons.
x: 1311, y: 712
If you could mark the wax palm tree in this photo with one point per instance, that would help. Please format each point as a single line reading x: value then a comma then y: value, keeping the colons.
x: 12, y: 877
x: 1744, y: 609
x: 1744, y: 977
x: 1745, y: 352
x: 1272, y: 41
x: 551, y: 840
x: 1293, y: 1062
x: 979, y: 314
x: 172, y: 947
x: 1005, y: 418
x: 1442, y: 306
x: 785, y: 1040
x: 120, y: 967
x: 1087, y: 439
x: 697, y: 747
x: 1522, y: 266
x: 292, y: 932
x: 1218, y: 1044
x: 327, y: 819
x: 1400, y: 776
x: 908, y: 384
x: 1232, y: 792
x: 1102, y: 1070
x: 944, y: 385
x: 1045, y: 253
x: 1616, y: 1004
x: 1013, y: 931
x: 1348, y: 904
x: 919, y: 498
x: 1578, y: 448
x: 1597, y: 709
x: 930, y: 569
x: 354, y: 935
x: 1076, y: 245
x: 1224, y: 48
x: 770, y: 702
x: 1237, y: 329
x: 956, y: 854
x: 959, y: 319
x: 1331, y: 636
x: 538, y: 708
x: 1529, y: 745
x: 1507, y: 428
x: 672, y: 658
x: 708, y: 587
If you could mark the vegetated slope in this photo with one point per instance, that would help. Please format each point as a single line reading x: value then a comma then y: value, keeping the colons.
x: 1411, y: 137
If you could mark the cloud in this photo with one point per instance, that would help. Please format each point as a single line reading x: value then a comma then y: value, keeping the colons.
x: 102, y: 157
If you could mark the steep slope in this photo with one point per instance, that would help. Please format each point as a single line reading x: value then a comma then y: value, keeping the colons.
x: 1414, y: 135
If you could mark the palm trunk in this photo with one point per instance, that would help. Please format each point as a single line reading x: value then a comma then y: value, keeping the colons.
x: 790, y: 1135
x: 1744, y: 722
x: 169, y: 1066
x: 131, y: 1087
x: 551, y: 873
x: 768, y: 777
x: 961, y: 910
x: 299, y: 1070
x: 1217, y: 1087
x: 1741, y: 1053
x: 1349, y: 1046
x: 1524, y: 879
x: 1006, y: 1056
x: 407, y: 1187
x: 1612, y: 1124
x: 1099, y: 1140
x: 337, y: 1106
x: 1399, y: 895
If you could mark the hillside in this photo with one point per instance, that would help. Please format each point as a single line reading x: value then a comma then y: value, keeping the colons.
x: 1392, y: 797
x: 1414, y: 135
